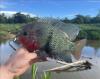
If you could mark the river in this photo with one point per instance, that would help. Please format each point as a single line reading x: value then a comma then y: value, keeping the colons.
x: 91, y: 50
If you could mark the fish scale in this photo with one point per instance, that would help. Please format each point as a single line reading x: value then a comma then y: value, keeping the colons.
x: 61, y: 46
x: 48, y: 36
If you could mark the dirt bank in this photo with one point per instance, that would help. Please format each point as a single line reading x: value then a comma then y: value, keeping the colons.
x: 6, y: 37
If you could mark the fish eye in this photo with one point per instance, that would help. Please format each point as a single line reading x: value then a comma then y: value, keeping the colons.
x: 25, y: 33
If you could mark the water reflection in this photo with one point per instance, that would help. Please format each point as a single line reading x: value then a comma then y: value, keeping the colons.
x: 88, y: 51
x: 98, y: 52
x: 6, y: 51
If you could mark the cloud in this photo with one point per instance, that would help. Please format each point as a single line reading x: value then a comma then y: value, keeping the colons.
x: 2, y: 6
x: 10, y: 13
x: 7, y: 4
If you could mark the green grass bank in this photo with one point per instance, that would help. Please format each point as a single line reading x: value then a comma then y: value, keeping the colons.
x: 89, y: 31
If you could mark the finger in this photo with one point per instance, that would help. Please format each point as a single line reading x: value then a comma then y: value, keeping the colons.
x: 31, y: 56
x: 33, y: 61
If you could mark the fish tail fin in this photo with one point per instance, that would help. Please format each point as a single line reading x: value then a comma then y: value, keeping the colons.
x: 79, y: 46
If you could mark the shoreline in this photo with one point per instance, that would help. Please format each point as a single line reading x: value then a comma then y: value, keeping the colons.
x: 7, y: 36
x: 88, y: 31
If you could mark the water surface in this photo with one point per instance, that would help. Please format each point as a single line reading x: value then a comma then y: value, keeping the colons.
x: 91, y: 50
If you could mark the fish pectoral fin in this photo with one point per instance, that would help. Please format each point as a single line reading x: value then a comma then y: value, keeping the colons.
x: 79, y: 45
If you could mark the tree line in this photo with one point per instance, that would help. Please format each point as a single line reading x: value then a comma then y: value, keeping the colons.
x: 80, y: 19
x: 17, y: 18
x: 22, y: 18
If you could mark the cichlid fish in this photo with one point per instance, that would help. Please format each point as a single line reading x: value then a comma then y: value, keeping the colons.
x: 51, y: 38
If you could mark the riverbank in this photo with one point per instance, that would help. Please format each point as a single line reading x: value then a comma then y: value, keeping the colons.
x: 6, y: 36
x: 8, y: 31
x: 89, y: 31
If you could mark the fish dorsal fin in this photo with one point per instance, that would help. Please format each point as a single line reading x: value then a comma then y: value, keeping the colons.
x: 78, y: 48
x: 71, y: 30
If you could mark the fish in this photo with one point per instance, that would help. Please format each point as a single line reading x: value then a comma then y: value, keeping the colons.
x: 52, y: 38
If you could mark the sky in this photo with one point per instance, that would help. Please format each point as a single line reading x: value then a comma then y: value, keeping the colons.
x: 52, y: 8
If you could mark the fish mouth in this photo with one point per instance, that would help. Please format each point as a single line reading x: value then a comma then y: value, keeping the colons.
x: 30, y: 45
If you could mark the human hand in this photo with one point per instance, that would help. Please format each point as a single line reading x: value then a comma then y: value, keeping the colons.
x: 20, y: 62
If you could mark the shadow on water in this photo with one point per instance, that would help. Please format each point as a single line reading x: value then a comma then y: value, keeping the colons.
x: 91, y: 52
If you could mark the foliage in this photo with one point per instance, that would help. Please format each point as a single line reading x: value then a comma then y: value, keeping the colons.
x: 89, y: 34
x: 17, y: 18
x: 89, y: 31
x: 34, y: 71
x: 12, y: 28
x: 8, y: 31
x: 82, y: 35
x: 3, y: 18
x: 93, y: 34
x: 66, y: 20
x: 17, y: 77
x: 46, y: 75
x: 22, y: 18
x: 80, y: 19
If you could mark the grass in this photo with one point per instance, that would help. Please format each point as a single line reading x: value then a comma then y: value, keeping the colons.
x: 89, y: 31
x: 17, y: 77
x: 7, y: 31
x: 46, y: 75
x: 10, y: 27
x: 34, y: 71
x: 5, y: 35
x: 90, y: 26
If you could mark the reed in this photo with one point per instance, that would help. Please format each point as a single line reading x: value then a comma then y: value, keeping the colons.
x: 46, y: 75
x: 17, y: 77
x: 34, y: 71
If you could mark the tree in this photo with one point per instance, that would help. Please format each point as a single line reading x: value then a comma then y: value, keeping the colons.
x: 79, y: 19
x: 20, y: 18
x: 10, y: 20
x: 3, y: 18
x: 66, y: 20
x: 87, y: 19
